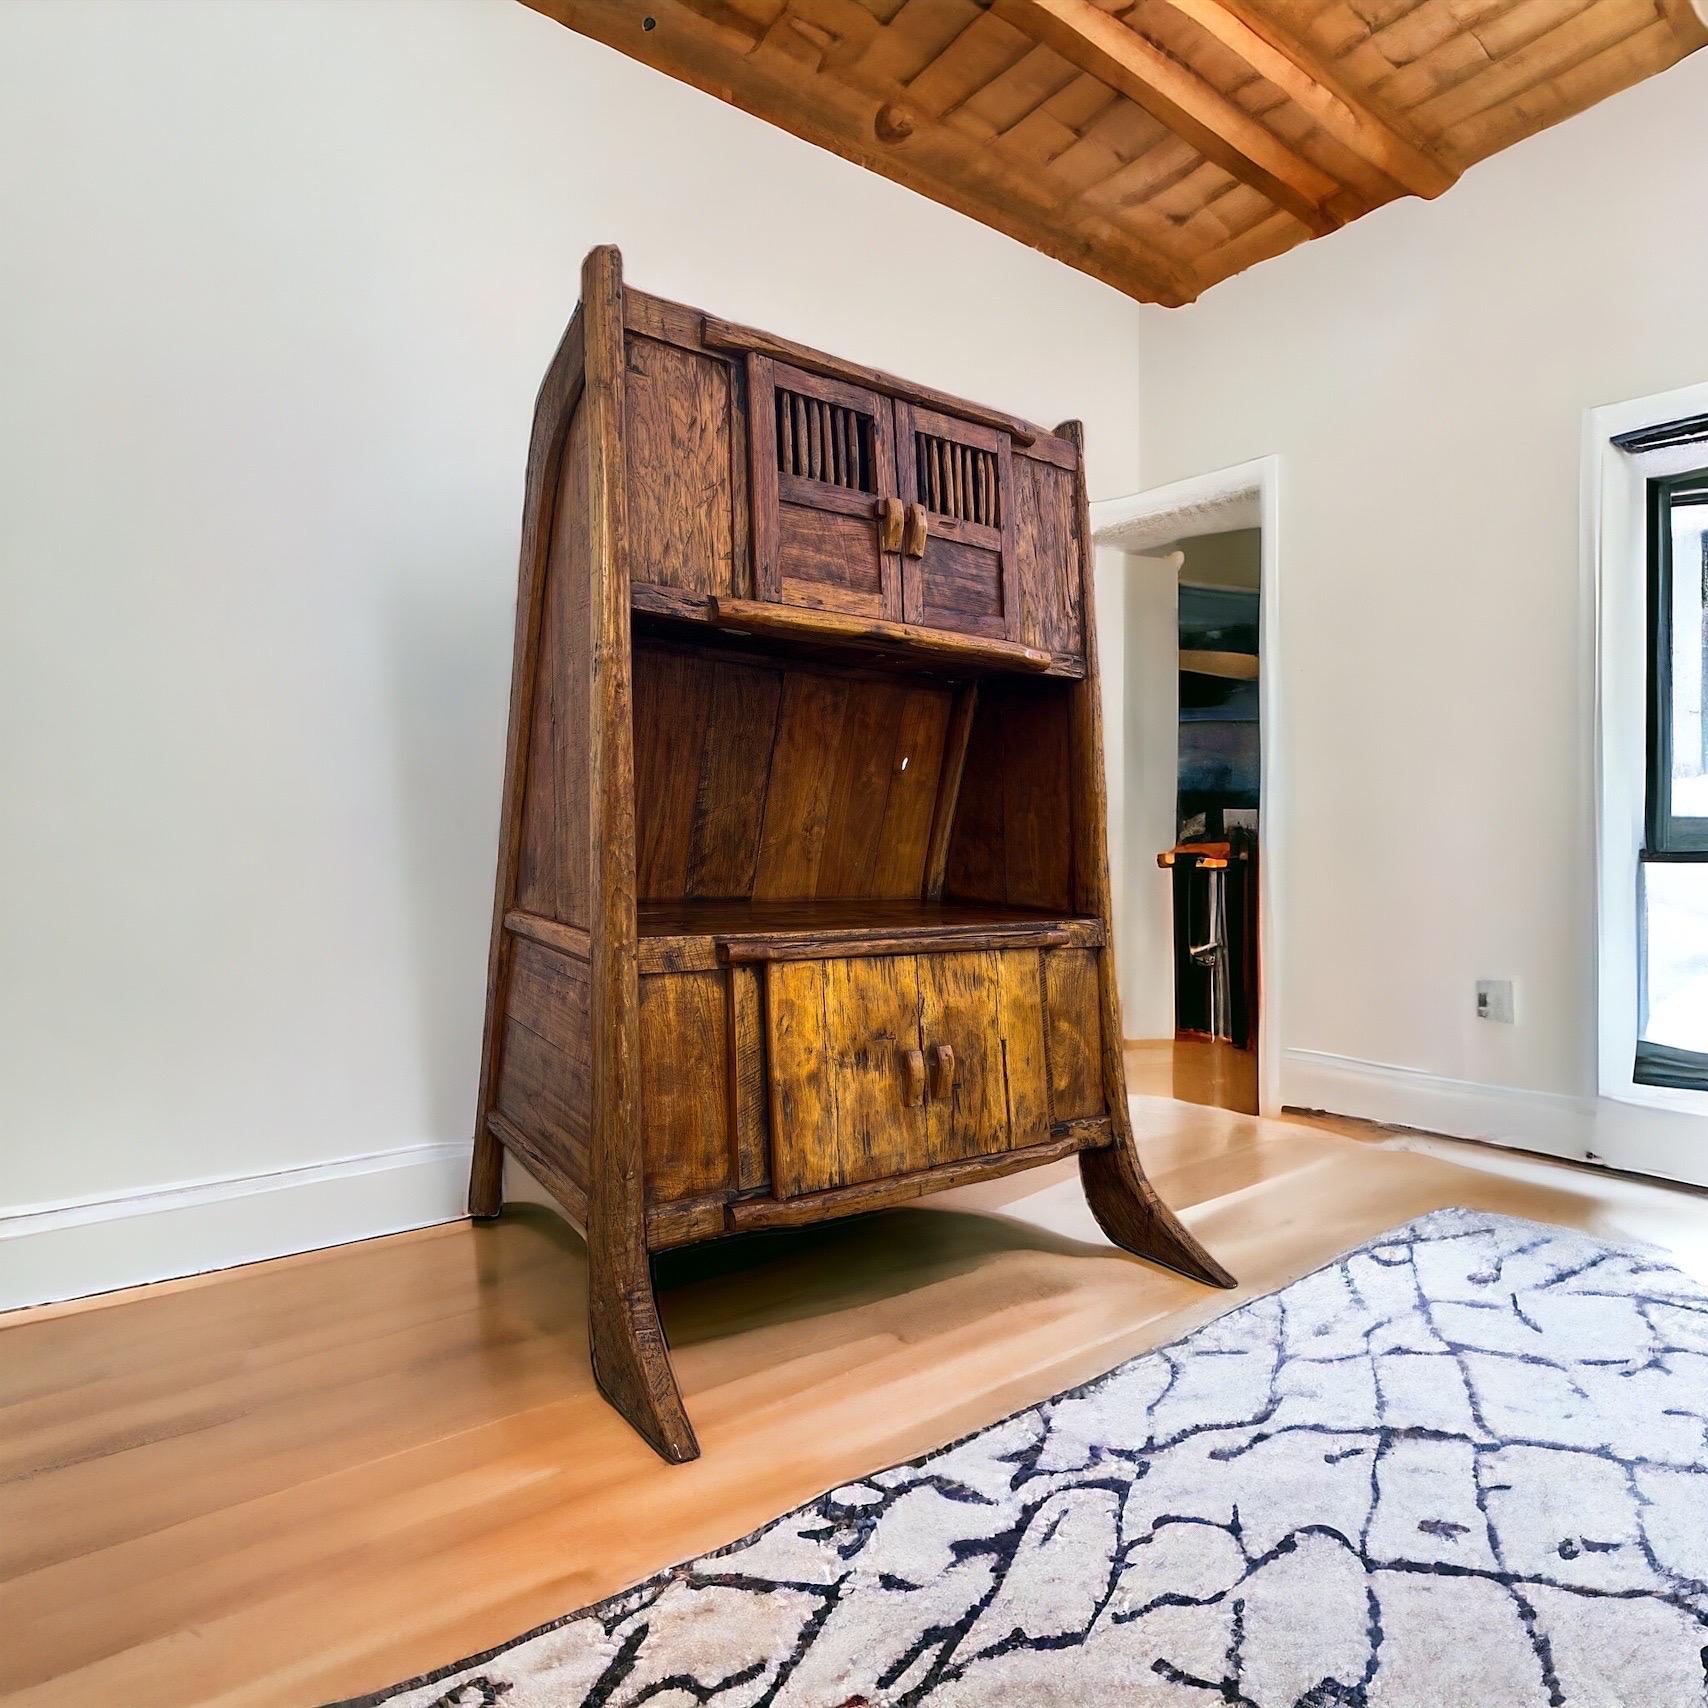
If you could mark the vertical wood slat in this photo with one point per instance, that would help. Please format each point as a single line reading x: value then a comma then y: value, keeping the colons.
x: 959, y: 480
x: 630, y: 1359
x: 820, y: 440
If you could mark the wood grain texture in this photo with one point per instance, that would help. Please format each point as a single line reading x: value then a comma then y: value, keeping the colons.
x: 725, y: 335
x: 1159, y: 145
x: 963, y: 575
x: 947, y: 645
x: 685, y: 1063
x: 1013, y: 840
x: 545, y: 1075
x: 679, y: 452
x: 630, y: 1358
x: 1050, y: 614
x: 779, y: 928
x: 1072, y: 1001
x: 818, y: 535
x: 559, y: 392
x: 552, y: 878
x: 749, y: 1098
x: 307, y: 1479
x: 1222, y: 131
x: 751, y: 1215
x: 992, y: 1094
x: 840, y: 1034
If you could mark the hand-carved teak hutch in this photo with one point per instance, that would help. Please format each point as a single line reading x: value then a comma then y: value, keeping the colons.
x: 803, y: 895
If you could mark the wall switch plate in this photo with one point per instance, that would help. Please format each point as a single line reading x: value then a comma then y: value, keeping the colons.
x: 1494, y: 1000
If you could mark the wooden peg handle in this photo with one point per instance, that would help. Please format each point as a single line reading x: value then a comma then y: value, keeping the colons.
x: 917, y: 530
x: 913, y: 1064
x: 892, y: 517
x: 942, y: 1071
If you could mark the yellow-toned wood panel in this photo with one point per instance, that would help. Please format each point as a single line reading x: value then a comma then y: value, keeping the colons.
x: 685, y: 1086
x: 1075, y: 1034
x: 847, y: 1071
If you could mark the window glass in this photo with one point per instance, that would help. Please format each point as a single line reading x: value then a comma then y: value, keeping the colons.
x: 1675, y: 926
x: 1689, y: 624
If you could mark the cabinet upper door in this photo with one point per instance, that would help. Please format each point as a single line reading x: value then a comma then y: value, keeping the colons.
x: 956, y: 478
x: 826, y: 520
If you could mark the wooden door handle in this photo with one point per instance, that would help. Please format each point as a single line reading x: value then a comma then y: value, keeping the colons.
x: 942, y: 1071
x: 913, y: 1066
x: 892, y: 519
x: 917, y: 530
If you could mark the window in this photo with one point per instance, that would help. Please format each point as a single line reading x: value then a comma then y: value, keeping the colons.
x: 1672, y: 1035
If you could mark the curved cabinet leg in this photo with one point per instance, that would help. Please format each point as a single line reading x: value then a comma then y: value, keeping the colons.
x: 631, y: 1360
x: 1129, y: 1211
x: 486, y: 1177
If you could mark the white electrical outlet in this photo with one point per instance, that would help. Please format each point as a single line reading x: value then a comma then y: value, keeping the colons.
x: 1494, y: 1000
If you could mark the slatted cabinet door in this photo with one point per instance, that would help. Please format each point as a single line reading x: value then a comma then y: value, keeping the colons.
x: 827, y: 522
x: 958, y: 569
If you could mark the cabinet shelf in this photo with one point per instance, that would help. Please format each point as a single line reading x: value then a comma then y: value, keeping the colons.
x: 872, y: 638
x: 682, y: 936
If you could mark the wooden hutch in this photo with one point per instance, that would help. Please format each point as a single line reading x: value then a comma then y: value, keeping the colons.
x: 803, y: 894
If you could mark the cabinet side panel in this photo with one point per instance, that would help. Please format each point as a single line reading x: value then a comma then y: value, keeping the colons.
x: 679, y: 468
x: 685, y: 1091
x: 1050, y: 614
x: 552, y: 870
x: 543, y: 1074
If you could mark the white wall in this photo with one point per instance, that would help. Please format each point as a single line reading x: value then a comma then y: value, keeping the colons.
x: 277, y: 284
x: 1423, y: 376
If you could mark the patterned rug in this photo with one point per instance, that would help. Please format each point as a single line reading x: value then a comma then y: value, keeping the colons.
x: 1461, y: 1467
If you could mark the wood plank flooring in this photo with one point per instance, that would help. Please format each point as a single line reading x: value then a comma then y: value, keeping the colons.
x: 314, y: 1477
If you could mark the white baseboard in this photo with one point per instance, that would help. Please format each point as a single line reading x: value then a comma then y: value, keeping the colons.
x: 1532, y: 1120
x: 74, y: 1248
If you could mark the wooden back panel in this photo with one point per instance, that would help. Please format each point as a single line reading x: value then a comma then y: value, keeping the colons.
x: 1012, y: 837
x: 777, y: 781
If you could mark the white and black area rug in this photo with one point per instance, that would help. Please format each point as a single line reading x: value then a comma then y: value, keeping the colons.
x: 1465, y: 1466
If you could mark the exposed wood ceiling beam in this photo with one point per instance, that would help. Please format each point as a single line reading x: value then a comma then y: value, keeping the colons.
x: 1105, y: 48
x: 1304, y: 78
x: 889, y: 137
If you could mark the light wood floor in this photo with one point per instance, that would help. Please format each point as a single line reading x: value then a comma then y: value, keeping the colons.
x: 1195, y: 1070
x: 318, y: 1476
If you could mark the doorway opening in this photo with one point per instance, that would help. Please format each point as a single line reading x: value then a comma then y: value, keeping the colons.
x: 1190, y: 571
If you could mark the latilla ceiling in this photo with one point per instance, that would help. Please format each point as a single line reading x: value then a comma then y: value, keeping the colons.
x: 1161, y: 146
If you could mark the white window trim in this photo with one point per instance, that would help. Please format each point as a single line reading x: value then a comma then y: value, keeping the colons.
x: 1615, y: 559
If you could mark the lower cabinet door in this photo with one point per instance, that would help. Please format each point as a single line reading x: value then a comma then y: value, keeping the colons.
x: 847, y: 1070
x: 987, y: 1077
x: 887, y: 1064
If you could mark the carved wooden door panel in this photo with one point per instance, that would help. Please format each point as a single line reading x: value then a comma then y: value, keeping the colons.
x: 958, y: 540
x: 827, y: 521
x: 987, y: 1076
x: 847, y: 1071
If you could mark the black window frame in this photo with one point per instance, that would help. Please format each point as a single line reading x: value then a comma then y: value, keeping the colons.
x: 1668, y: 836
x: 1668, y: 833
